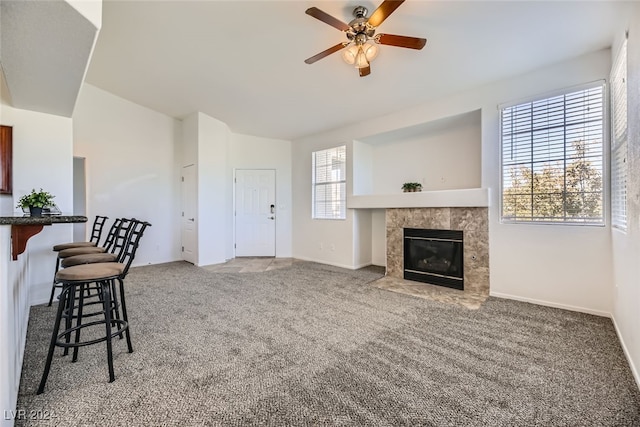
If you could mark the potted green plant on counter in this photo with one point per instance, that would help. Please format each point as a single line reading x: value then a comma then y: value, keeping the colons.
x: 36, y: 201
x: 411, y: 187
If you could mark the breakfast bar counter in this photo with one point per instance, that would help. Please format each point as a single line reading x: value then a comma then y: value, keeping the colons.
x: 24, y: 226
x: 44, y: 220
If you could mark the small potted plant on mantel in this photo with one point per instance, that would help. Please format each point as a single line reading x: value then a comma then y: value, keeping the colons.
x: 411, y: 187
x: 36, y: 201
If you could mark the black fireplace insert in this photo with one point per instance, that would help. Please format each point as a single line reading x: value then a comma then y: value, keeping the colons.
x: 434, y: 256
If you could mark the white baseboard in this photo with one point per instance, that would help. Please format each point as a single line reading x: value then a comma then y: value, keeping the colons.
x: 551, y: 304
x: 634, y: 371
x: 359, y: 266
x: 348, y: 267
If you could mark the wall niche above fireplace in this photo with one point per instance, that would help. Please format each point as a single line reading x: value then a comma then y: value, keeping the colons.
x: 445, y: 154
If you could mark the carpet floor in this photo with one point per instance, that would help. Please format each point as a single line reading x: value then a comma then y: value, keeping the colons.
x: 313, y: 344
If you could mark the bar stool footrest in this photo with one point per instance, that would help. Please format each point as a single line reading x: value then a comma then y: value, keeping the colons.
x: 123, y: 327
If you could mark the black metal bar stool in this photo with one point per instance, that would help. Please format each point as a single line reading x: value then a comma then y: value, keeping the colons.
x: 96, y: 233
x: 67, y: 250
x: 103, y: 276
x: 115, y: 243
x: 113, y: 250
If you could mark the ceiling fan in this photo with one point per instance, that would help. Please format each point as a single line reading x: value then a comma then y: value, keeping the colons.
x: 360, y: 34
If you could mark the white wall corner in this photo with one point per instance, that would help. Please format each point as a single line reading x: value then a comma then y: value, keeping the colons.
x: 627, y: 353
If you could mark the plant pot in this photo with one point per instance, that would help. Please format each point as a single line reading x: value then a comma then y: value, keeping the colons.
x: 35, y: 211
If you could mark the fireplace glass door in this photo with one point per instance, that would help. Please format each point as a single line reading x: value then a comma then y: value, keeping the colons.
x: 434, y: 256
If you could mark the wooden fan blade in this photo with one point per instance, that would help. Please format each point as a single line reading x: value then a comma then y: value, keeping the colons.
x: 365, y: 71
x: 383, y: 11
x: 326, y: 18
x: 324, y: 53
x: 401, y: 41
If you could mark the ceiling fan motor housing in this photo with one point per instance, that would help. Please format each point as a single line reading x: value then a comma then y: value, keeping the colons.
x: 360, y: 12
x: 360, y: 30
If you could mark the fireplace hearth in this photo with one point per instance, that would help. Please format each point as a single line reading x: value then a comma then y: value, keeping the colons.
x: 434, y: 256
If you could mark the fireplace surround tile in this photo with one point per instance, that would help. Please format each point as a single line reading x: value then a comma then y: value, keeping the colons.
x: 473, y: 222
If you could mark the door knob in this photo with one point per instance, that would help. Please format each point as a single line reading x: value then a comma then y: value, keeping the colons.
x: 272, y: 217
x: 192, y: 219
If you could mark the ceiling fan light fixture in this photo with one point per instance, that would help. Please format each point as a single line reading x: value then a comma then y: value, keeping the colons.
x: 349, y: 54
x: 360, y: 55
x: 370, y: 50
x: 361, y: 59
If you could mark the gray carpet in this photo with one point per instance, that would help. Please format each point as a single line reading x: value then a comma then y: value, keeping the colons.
x: 316, y: 345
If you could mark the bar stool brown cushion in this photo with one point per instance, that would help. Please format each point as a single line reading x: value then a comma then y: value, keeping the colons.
x: 80, y: 251
x: 63, y: 246
x: 87, y: 259
x: 90, y: 272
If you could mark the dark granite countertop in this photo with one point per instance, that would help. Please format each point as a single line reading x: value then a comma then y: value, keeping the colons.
x: 19, y: 219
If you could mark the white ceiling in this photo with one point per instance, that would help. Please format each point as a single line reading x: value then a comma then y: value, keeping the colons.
x: 242, y: 62
x: 45, y: 50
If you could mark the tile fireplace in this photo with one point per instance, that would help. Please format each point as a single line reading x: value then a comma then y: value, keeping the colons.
x: 470, y: 222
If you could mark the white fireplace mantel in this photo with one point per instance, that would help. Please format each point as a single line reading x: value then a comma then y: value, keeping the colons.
x: 468, y: 197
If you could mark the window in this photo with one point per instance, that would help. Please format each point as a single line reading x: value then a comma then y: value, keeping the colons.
x: 619, y: 140
x: 552, y: 158
x: 329, y: 183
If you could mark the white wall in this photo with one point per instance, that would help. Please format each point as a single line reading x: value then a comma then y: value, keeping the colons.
x: 252, y: 152
x: 217, y: 152
x: 378, y: 237
x: 363, y: 168
x: 444, y: 156
x: 566, y: 266
x: 42, y: 158
x: 322, y: 240
x: 131, y: 168
x: 626, y: 245
x: 189, y: 143
x: 214, y: 192
x: 362, y: 238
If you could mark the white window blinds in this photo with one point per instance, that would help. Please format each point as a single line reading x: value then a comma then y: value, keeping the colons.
x: 329, y: 183
x: 618, y: 93
x: 552, y: 159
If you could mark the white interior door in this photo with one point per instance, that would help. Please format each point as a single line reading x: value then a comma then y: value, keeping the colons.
x: 189, y: 199
x: 255, y: 212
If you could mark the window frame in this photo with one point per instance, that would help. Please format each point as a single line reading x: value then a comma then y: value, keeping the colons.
x: 314, y: 185
x: 620, y: 146
x: 604, y: 154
